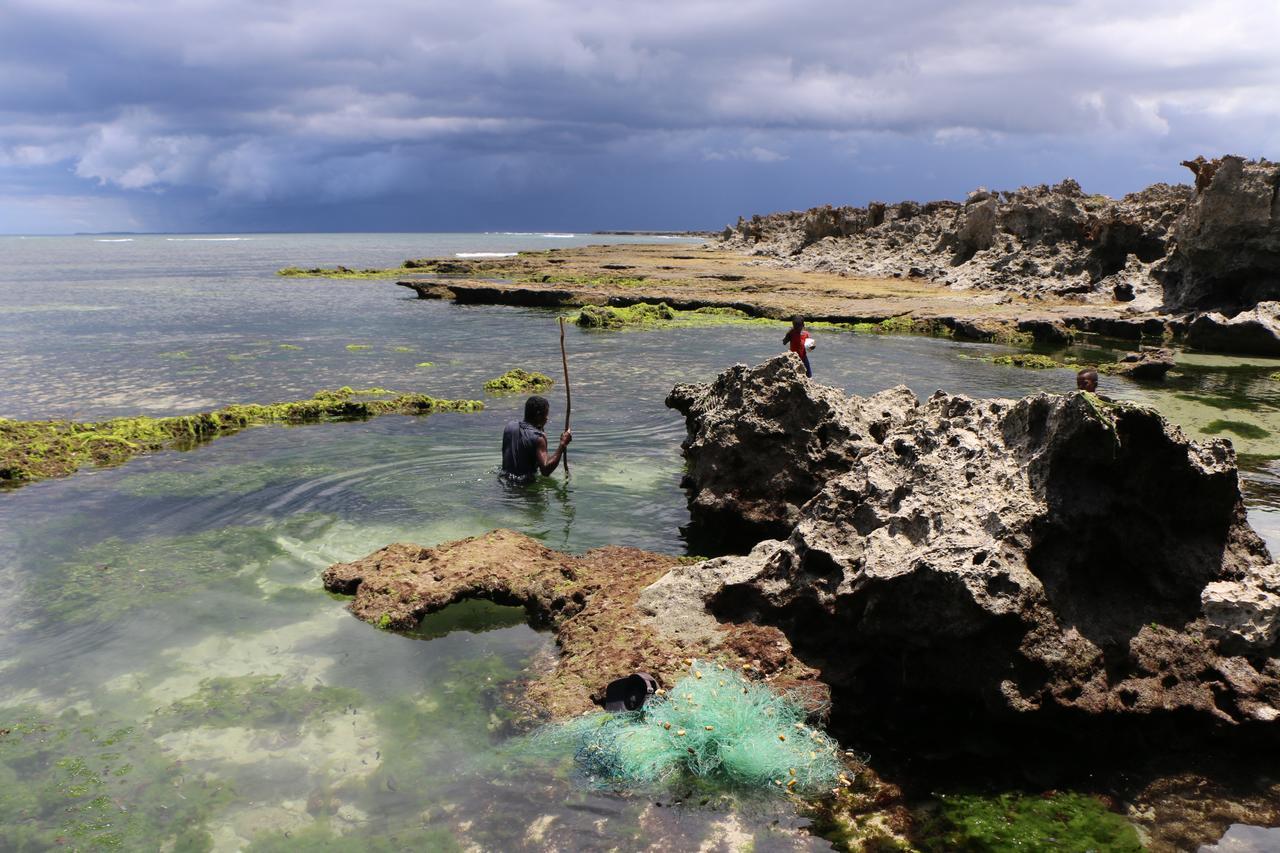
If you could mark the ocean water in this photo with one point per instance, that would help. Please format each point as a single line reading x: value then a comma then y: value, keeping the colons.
x: 171, y: 670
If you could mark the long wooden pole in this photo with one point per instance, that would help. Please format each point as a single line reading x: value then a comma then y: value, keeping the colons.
x: 568, y: 396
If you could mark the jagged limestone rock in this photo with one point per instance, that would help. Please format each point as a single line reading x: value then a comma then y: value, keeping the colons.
x: 1227, y: 241
x: 1016, y: 562
x: 1252, y: 332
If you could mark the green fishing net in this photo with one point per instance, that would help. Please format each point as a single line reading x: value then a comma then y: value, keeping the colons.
x: 714, y: 725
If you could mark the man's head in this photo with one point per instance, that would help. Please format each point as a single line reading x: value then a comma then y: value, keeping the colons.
x: 797, y: 322
x: 1087, y: 380
x: 536, y: 410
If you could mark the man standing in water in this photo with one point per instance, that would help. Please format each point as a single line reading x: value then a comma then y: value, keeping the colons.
x: 1087, y: 380
x: 524, y: 444
x: 800, y: 342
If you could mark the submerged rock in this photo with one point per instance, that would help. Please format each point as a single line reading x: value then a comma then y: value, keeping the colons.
x: 965, y: 563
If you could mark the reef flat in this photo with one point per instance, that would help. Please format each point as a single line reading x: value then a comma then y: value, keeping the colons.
x: 1170, y: 264
x: 38, y: 450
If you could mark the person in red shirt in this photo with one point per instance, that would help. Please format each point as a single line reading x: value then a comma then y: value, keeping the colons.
x: 800, y: 342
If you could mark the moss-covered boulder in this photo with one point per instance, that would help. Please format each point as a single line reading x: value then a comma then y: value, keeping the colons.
x: 609, y: 317
x: 519, y: 380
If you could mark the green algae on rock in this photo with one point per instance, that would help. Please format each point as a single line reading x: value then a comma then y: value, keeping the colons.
x: 36, y: 450
x: 1029, y: 360
x: 1244, y: 429
x: 518, y: 380
x: 257, y: 701
x: 336, y: 272
x: 660, y: 315
x: 89, y: 782
x: 641, y: 314
x: 1059, y: 821
x: 904, y: 324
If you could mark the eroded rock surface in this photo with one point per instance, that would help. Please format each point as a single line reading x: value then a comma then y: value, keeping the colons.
x: 590, y: 602
x: 1147, y: 365
x: 761, y: 444
x: 1227, y: 241
x: 1035, y: 241
x: 1169, y: 248
x: 1051, y: 559
x: 1253, y: 332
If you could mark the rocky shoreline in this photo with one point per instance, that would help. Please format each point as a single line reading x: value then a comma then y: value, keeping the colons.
x: 1196, y: 255
x: 957, y: 567
x: 1060, y: 578
x: 1195, y: 265
x: 710, y: 277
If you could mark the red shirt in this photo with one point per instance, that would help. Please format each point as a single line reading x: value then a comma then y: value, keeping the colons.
x: 797, y: 341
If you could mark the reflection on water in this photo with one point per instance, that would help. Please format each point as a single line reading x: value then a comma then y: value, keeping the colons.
x: 168, y: 660
x: 1241, y: 838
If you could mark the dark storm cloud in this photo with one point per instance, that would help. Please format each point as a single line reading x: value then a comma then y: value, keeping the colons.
x: 223, y: 107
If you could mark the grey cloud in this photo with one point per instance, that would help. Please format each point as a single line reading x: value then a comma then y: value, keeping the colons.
x: 265, y: 101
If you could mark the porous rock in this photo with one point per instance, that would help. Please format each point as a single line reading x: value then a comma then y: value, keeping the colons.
x: 1227, y: 242
x: 1148, y: 364
x: 1018, y: 562
x: 763, y: 440
x: 589, y: 601
x: 1252, y: 332
x: 1173, y: 249
x: 1035, y: 241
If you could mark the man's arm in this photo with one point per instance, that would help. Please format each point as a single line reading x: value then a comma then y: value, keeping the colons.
x: 786, y: 339
x: 547, y: 465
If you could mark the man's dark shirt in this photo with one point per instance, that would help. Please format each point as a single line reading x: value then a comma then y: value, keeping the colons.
x: 520, y: 449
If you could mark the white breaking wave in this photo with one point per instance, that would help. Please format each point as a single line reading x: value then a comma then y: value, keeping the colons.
x: 559, y: 236
x: 205, y: 239
x: 115, y: 240
x: 485, y: 254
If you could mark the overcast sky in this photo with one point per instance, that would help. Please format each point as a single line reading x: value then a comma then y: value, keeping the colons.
x: 408, y: 115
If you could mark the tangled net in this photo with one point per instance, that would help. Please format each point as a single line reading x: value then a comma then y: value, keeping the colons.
x: 714, y: 725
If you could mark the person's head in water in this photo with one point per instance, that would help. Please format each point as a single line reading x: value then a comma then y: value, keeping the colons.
x: 797, y: 322
x: 1087, y: 380
x: 536, y: 410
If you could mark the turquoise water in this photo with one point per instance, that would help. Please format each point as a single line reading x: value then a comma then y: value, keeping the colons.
x: 170, y: 667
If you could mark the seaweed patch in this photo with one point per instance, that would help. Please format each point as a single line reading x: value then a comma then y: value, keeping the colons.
x: 36, y: 450
x: 517, y: 380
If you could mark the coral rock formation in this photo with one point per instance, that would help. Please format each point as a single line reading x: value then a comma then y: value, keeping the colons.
x: 752, y: 464
x: 1036, y: 241
x: 590, y: 602
x: 1252, y: 332
x: 1057, y: 557
x: 1227, y: 253
x: 1172, y: 248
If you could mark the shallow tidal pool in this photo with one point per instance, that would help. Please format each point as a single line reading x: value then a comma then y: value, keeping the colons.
x: 172, y: 674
